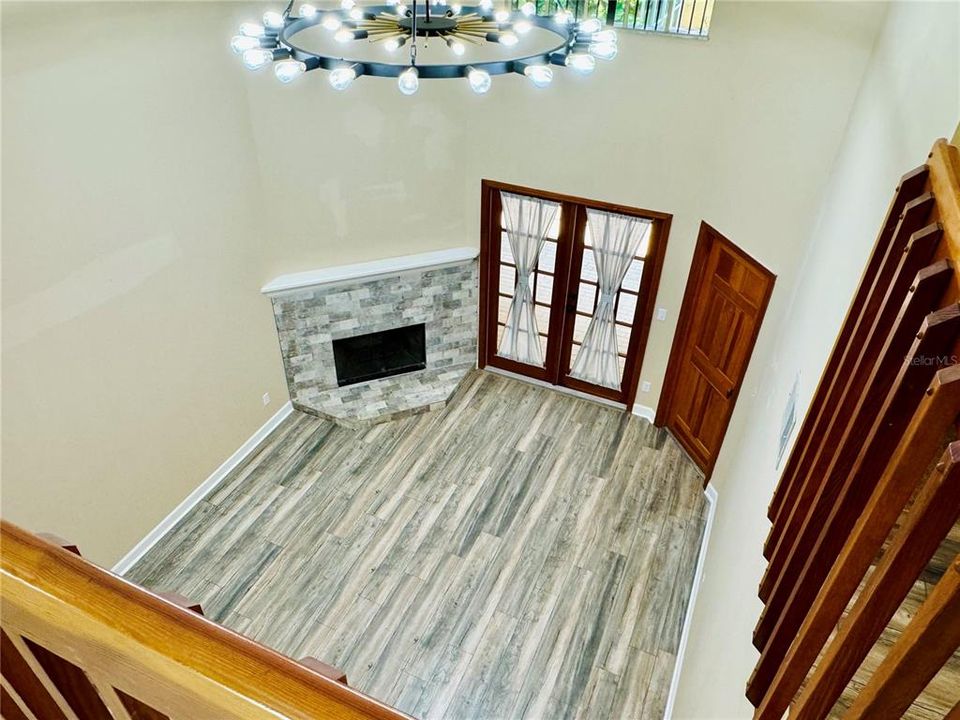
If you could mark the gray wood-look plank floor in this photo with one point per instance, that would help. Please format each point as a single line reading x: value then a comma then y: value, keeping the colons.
x: 517, y: 554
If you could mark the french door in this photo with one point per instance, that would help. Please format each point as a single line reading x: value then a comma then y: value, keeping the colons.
x: 567, y: 287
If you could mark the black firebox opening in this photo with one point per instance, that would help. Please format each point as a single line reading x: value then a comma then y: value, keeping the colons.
x: 380, y: 354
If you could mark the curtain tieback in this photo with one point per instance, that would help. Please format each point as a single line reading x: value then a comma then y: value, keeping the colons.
x: 606, y: 298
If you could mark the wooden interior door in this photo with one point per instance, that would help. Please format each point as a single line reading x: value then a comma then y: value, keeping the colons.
x: 723, y: 306
x: 565, y: 291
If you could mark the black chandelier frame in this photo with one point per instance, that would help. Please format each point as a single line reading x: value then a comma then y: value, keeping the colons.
x: 281, y: 41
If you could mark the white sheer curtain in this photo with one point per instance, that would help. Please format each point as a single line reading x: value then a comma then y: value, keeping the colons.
x: 615, y: 241
x: 527, y: 222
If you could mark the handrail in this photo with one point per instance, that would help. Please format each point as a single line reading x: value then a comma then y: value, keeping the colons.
x: 889, y: 396
x: 130, y: 642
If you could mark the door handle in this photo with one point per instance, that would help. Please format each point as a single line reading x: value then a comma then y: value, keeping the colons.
x: 729, y: 393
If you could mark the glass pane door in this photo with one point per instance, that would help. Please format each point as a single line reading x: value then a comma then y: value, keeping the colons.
x: 587, y: 301
x: 609, y: 345
x: 541, y: 283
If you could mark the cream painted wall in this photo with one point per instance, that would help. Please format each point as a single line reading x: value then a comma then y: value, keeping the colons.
x: 152, y: 185
x: 739, y: 131
x: 910, y: 96
x: 136, y: 346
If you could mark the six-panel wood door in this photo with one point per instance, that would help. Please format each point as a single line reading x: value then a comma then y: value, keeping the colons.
x: 727, y: 294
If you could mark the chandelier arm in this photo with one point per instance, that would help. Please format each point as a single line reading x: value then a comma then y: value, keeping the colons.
x: 470, y: 27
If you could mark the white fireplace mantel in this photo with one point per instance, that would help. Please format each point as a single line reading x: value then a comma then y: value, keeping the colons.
x: 368, y: 270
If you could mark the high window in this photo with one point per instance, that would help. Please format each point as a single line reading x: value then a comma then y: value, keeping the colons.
x: 675, y: 17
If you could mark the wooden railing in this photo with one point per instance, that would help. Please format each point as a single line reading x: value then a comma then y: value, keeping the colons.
x: 79, y: 643
x: 887, y: 402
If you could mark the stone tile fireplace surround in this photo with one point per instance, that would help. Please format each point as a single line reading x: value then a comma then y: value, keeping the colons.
x: 312, y: 309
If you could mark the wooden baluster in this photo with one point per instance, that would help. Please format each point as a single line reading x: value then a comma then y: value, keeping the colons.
x: 17, y: 671
x: 12, y: 706
x: 846, y: 448
x: 934, y: 511
x: 830, y: 462
x: 118, y: 711
x: 71, y: 681
x: 932, y: 636
x: 31, y: 680
x: 120, y: 705
x: 935, y: 339
x: 909, y: 187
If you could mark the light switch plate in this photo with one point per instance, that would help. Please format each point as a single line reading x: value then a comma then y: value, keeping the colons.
x: 266, y: 399
x: 661, y: 314
x: 645, y: 386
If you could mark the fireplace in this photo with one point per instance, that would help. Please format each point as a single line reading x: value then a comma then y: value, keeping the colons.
x: 380, y: 340
x: 380, y: 354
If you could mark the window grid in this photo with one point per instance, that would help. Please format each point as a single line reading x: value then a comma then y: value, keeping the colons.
x: 550, y: 245
x: 690, y: 18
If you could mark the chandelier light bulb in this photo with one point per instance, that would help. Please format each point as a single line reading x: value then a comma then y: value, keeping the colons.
x: 256, y: 58
x: 273, y: 19
x: 500, y: 27
x: 331, y: 22
x: 590, y: 26
x: 341, y: 78
x: 289, y: 70
x: 583, y: 63
x: 479, y: 80
x: 603, y: 50
x: 540, y: 75
x: 239, y: 43
x: 252, y: 30
x: 409, y: 81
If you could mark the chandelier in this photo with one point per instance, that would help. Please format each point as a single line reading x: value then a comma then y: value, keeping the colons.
x: 397, y: 27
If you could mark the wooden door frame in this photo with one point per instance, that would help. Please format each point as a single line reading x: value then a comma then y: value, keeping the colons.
x: 559, y: 328
x: 706, y: 238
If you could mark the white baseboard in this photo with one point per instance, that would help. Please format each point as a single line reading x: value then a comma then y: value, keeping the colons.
x: 141, y: 548
x: 647, y: 413
x: 711, y: 495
